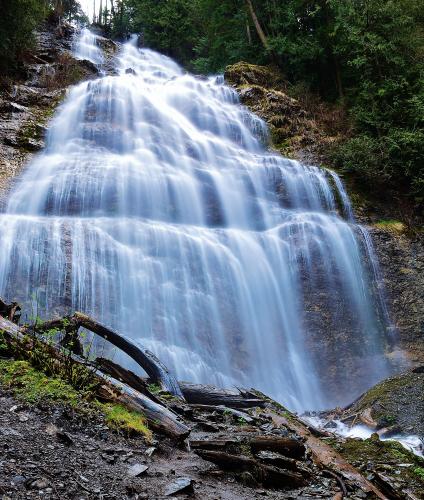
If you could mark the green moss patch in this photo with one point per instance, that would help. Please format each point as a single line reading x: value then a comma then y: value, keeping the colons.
x: 33, y: 386
x: 118, y: 417
x: 387, y: 457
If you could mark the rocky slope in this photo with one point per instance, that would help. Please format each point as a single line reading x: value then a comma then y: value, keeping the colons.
x: 26, y: 105
x: 56, y: 444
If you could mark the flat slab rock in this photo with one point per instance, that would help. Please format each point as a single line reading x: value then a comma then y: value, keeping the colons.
x: 181, y: 486
x: 137, y: 470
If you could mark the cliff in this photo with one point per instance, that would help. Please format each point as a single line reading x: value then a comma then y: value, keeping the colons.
x: 27, y: 104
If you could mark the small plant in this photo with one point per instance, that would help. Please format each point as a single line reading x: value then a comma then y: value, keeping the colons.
x: 419, y: 471
x: 154, y: 388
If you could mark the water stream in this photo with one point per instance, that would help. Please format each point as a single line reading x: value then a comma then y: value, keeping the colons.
x: 157, y: 208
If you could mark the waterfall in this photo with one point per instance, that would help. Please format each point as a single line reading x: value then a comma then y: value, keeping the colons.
x: 157, y: 208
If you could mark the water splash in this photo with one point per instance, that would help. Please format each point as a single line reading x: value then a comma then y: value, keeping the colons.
x: 157, y: 208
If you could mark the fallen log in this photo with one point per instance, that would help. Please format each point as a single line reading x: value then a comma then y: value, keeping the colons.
x: 154, y: 368
x: 158, y: 416
x: 289, y: 447
x: 213, y: 444
x: 265, y: 474
x: 210, y: 395
x: 225, y: 409
x: 277, y: 460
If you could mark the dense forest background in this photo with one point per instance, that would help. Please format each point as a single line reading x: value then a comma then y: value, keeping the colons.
x: 365, y: 56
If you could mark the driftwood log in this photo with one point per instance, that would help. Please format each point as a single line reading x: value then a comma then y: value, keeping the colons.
x: 289, y: 447
x: 219, y: 399
x: 154, y: 368
x: 158, y: 416
x: 210, y: 395
x: 265, y: 474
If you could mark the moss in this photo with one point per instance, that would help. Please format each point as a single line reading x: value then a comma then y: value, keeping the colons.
x: 118, y: 417
x: 32, y: 129
x: 154, y: 388
x: 33, y: 386
x: 389, y: 457
x: 419, y: 471
x: 394, y: 226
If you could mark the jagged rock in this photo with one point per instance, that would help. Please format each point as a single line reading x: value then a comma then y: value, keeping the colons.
x: 137, y: 470
x: 39, y: 484
x: 181, y: 486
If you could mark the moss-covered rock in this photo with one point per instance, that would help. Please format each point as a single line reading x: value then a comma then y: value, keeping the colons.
x: 387, y: 464
x: 294, y: 132
x: 395, y: 404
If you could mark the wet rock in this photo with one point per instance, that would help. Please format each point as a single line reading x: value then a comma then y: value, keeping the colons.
x: 18, y: 480
x: 137, y: 470
x: 130, y: 71
x: 39, y: 484
x: 64, y: 438
x: 13, y: 107
x: 180, y: 486
x: 149, y: 452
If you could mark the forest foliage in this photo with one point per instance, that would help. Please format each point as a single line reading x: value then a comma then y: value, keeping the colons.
x: 18, y: 20
x: 367, y: 56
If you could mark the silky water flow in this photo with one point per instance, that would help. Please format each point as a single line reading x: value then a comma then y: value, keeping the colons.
x: 158, y: 208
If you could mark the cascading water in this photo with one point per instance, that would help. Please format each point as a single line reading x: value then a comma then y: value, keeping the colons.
x: 156, y: 208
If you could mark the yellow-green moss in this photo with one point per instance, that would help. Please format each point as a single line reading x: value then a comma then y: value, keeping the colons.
x: 394, y: 226
x: 131, y: 422
x: 33, y: 386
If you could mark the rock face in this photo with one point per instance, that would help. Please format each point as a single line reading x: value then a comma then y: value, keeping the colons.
x: 394, y: 406
x: 401, y: 257
x: 28, y: 104
x: 294, y: 131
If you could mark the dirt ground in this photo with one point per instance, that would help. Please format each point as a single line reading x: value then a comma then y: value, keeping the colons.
x: 51, y: 452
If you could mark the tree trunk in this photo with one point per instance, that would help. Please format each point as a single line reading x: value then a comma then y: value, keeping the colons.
x: 209, y: 395
x: 257, y: 24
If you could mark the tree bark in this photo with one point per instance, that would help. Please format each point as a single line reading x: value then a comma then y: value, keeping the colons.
x: 257, y: 24
x: 209, y: 395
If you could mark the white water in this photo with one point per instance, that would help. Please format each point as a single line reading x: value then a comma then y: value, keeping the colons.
x: 157, y: 208
x: 410, y: 442
x: 86, y: 48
